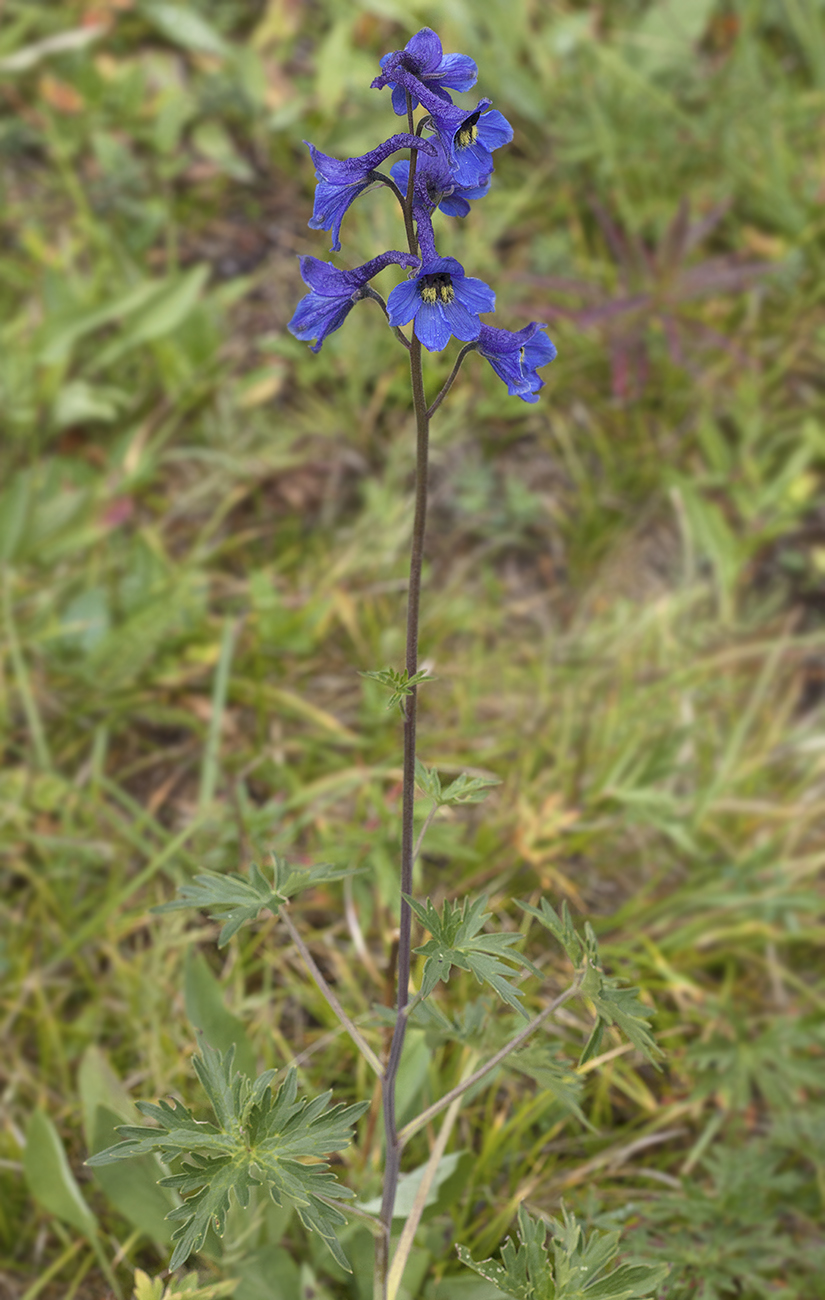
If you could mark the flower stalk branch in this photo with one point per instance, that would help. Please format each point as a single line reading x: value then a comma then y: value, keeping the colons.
x: 328, y: 995
x: 422, y: 1120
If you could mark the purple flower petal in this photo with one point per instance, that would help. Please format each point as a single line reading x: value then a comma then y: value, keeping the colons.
x: 432, y: 327
x: 331, y: 203
x: 424, y: 51
x: 463, y: 323
x: 494, y: 130
x: 424, y: 60
x: 458, y: 71
x: 515, y: 356
x: 441, y: 301
x: 348, y: 171
x: 475, y: 295
x: 454, y: 206
x: 334, y: 293
x: 341, y: 180
x: 403, y: 303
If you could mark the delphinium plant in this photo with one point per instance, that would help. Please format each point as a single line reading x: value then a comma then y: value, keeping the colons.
x: 277, y: 1139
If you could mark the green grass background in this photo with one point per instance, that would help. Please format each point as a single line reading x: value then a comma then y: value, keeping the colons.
x: 203, y: 535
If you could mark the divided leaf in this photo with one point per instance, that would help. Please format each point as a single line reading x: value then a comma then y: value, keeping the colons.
x: 464, y: 789
x: 555, y: 1075
x: 260, y: 1138
x: 464, y: 1025
x: 399, y: 684
x: 578, y: 1269
x: 561, y: 927
x: 614, y: 1005
x: 236, y: 899
x: 457, y: 941
x: 184, y: 1288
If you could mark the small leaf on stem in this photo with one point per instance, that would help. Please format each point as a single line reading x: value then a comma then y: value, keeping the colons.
x: 399, y: 683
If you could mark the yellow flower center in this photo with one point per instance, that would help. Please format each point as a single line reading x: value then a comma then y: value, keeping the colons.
x: 467, y: 133
x: 437, y: 288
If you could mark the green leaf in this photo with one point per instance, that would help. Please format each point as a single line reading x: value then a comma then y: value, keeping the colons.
x: 427, y: 780
x: 667, y: 35
x: 468, y: 789
x: 205, y: 1008
x: 399, y: 684
x: 14, y: 512
x: 554, y: 1075
x: 57, y: 346
x: 186, y: 28
x: 147, y: 1288
x: 134, y: 1192
x: 408, y: 1185
x: 577, y: 1271
x: 465, y: 788
x: 259, y: 1139
x: 618, y: 1006
x: 614, y: 1005
x: 456, y: 941
x: 594, y: 1043
x: 561, y: 927
x: 269, y: 1273
x: 81, y: 403
x: 160, y: 316
x: 236, y: 899
x: 49, y: 1176
x: 183, y: 1288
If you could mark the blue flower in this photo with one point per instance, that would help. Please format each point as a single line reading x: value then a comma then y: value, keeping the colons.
x: 442, y: 301
x: 468, y: 138
x: 334, y: 293
x: 425, y: 59
x: 515, y: 355
x: 435, y: 185
x: 340, y: 181
x: 473, y: 142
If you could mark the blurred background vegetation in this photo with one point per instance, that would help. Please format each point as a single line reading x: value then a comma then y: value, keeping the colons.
x: 203, y: 535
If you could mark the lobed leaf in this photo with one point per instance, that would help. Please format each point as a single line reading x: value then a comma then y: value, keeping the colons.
x: 465, y: 788
x: 555, y: 1075
x: 260, y: 1139
x: 577, y: 1271
x: 613, y: 1004
x: 236, y: 899
x: 399, y: 683
x: 457, y: 942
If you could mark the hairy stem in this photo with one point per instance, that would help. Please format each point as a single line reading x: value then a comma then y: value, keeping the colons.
x: 309, y: 961
x: 404, y: 203
x: 407, y: 1238
x: 392, y: 1144
x: 412, y: 238
x: 465, y: 351
x: 369, y: 292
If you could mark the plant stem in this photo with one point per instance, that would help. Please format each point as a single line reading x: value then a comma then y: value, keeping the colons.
x: 427, y: 824
x: 369, y: 292
x: 407, y: 1238
x: 465, y: 351
x: 354, y: 1033
x: 410, y: 707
